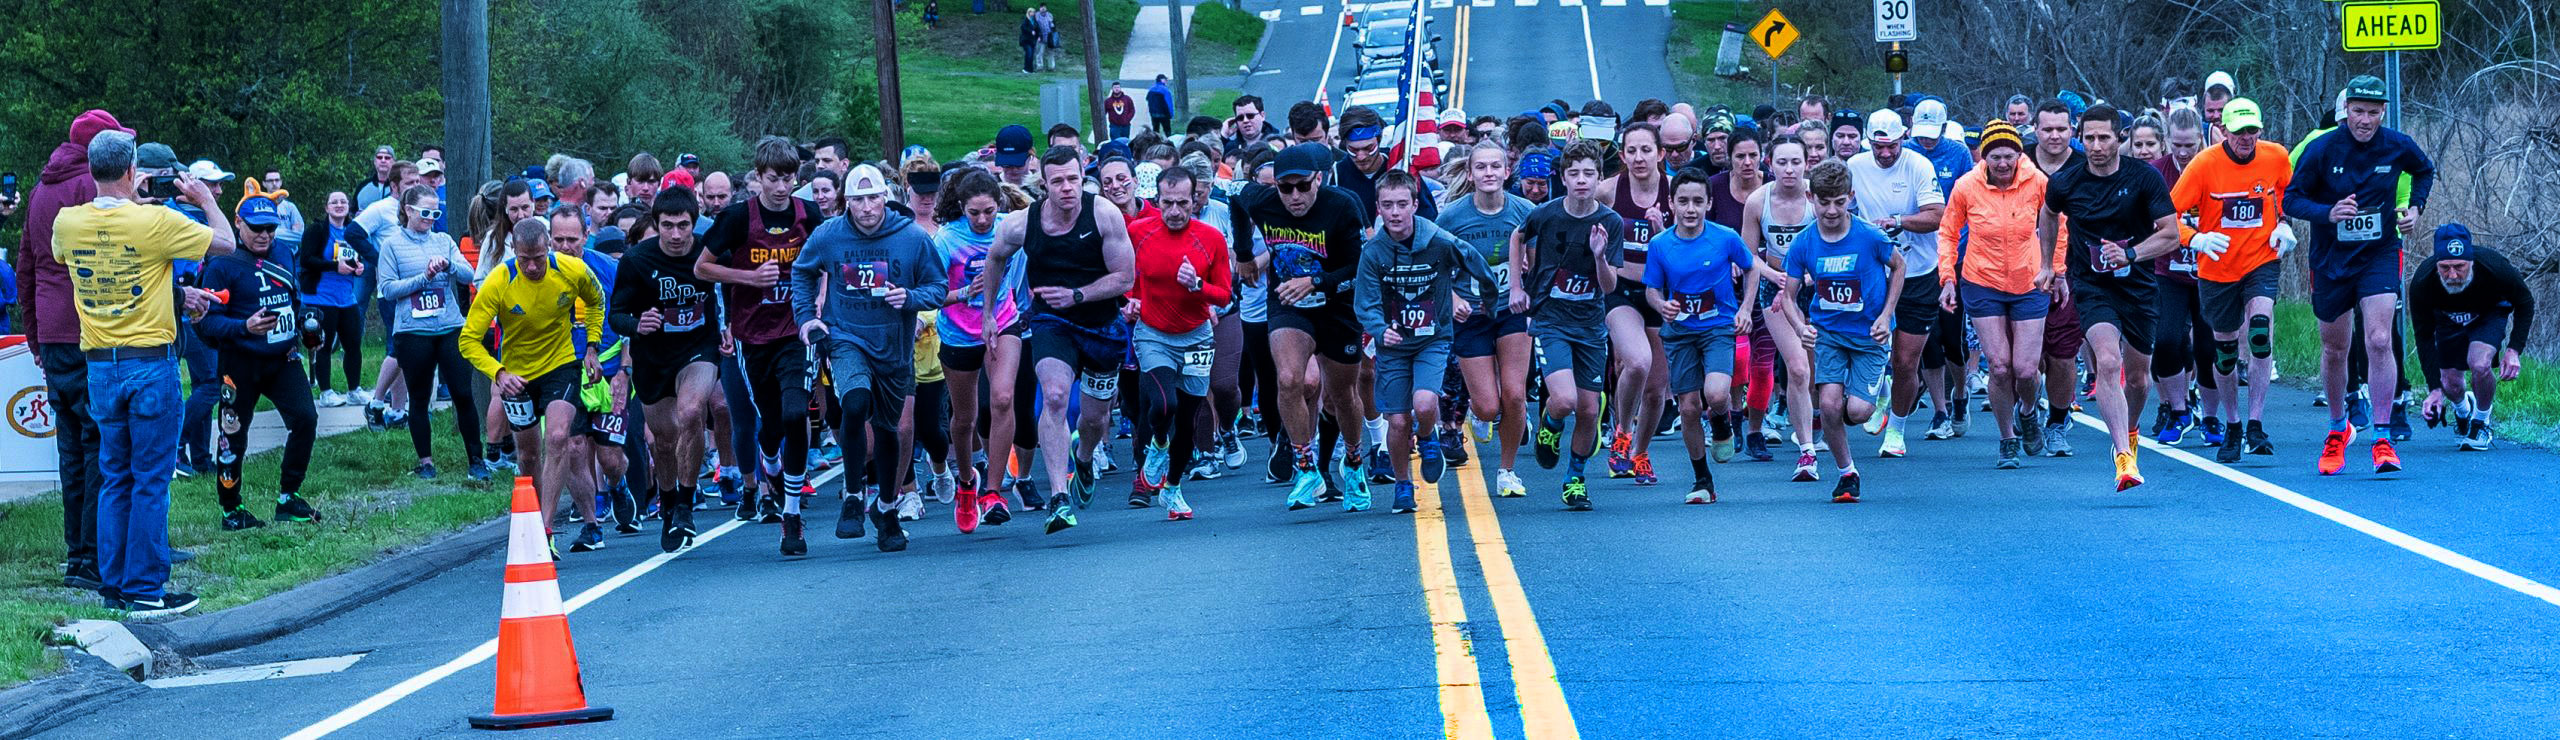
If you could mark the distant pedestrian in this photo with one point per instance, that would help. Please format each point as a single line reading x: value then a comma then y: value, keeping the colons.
x: 1121, y: 110
x: 932, y: 15
x: 1160, y: 106
x: 1030, y: 41
x: 1048, y: 37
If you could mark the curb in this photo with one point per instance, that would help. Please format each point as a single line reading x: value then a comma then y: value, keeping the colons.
x: 44, y: 703
x: 1254, y: 65
x: 318, y: 601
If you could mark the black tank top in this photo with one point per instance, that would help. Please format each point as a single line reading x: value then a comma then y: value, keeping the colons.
x: 1640, y: 228
x: 1072, y: 260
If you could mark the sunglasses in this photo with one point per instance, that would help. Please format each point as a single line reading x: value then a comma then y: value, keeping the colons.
x: 267, y: 229
x: 1300, y: 186
x: 431, y: 214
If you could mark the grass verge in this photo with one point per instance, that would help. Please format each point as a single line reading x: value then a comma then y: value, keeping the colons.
x: 370, y: 507
x: 1831, y: 60
x: 2528, y: 408
x: 963, y: 81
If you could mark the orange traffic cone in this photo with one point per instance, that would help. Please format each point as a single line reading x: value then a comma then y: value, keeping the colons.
x: 538, y: 681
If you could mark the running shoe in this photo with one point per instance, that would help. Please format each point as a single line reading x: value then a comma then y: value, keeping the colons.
x: 1205, y: 468
x: 2385, y: 459
x: 1702, y: 491
x: 1276, y: 466
x: 1506, y: 484
x: 675, y: 528
x: 1893, y: 444
x: 2010, y: 459
x: 1941, y: 426
x: 2173, y: 429
x: 1082, y: 481
x: 239, y: 519
x: 2359, y: 411
x: 2257, y: 439
x: 945, y: 487
x: 992, y: 509
x: 1807, y: 469
x: 2127, y: 475
x: 424, y: 471
x: 1550, y: 441
x: 1381, y: 470
x: 747, y: 508
x: 1722, y: 449
x: 1875, y: 423
x: 477, y: 473
x: 1757, y: 447
x: 891, y: 537
x: 1621, y: 464
x: 2057, y: 439
x: 2476, y: 436
x: 2333, y: 450
x: 590, y: 539
x: 626, y: 511
x: 1453, y: 446
x: 2161, y: 420
x: 2212, y: 429
x: 727, y: 480
x: 1176, y: 508
x: 1846, y: 491
x: 1231, y: 452
x: 771, y: 512
x: 793, y: 545
x: 1062, y: 513
x: 1027, y: 493
x: 1142, y: 491
x: 1403, y: 503
x: 1303, y: 489
x: 849, y: 516
x: 1356, y: 495
x: 294, y: 509
x: 332, y: 399
x: 2030, y: 434
x: 1153, y: 463
x: 1576, y: 496
x: 910, y: 506
x: 1644, y: 468
x: 2228, y: 447
x: 1434, y: 462
x: 2399, y: 424
x: 506, y: 461
x: 1957, y: 422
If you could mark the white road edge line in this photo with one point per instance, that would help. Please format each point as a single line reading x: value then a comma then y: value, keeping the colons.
x: 2376, y: 530
x: 1332, y: 52
x: 1589, y: 57
x: 487, y: 650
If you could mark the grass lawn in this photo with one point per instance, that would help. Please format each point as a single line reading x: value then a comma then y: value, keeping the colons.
x: 360, y: 481
x: 1823, y: 59
x: 2528, y: 408
x: 962, y: 82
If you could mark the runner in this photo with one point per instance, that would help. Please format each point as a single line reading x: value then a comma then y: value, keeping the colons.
x: 1312, y: 233
x: 968, y: 208
x: 1408, y: 300
x: 1996, y: 268
x: 2119, y: 215
x: 1182, y: 277
x: 2232, y: 188
x: 1641, y: 196
x: 747, y: 251
x: 2054, y: 132
x: 2184, y: 353
x: 668, y: 312
x: 1899, y: 195
x: 607, y: 396
x: 255, y: 332
x: 2355, y: 251
x: 1492, y: 344
x: 1692, y: 286
x: 1728, y: 194
x: 1775, y: 216
x: 1569, y: 248
x: 2463, y: 298
x: 535, y: 300
x: 1079, y: 265
x: 864, y: 265
x: 1842, y: 264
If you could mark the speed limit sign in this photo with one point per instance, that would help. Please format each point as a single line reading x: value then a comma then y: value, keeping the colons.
x: 1894, y: 22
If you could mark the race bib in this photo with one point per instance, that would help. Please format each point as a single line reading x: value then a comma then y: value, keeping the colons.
x: 969, y: 275
x: 1692, y: 306
x: 1196, y: 363
x: 285, y: 326
x: 519, y: 412
x: 1571, y: 287
x: 2183, y: 260
x: 1415, y: 318
x: 687, y: 316
x: 1102, y: 386
x: 1838, y: 295
x: 1639, y: 235
x: 2364, y: 227
x: 1780, y: 238
x: 1293, y: 262
x: 426, y: 303
x: 608, y: 424
x: 865, y: 277
x: 779, y: 294
x: 2243, y: 212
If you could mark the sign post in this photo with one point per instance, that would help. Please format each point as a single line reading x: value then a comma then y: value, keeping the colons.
x: 1774, y: 33
x: 2391, y: 27
x: 1895, y: 25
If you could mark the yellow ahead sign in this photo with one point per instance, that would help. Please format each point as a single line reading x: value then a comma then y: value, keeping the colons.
x: 1774, y: 33
x: 2390, y: 26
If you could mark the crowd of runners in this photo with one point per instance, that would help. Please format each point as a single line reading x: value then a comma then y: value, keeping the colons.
x: 978, y: 329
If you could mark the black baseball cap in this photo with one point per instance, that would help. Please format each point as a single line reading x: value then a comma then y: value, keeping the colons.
x: 1013, y: 146
x: 1301, y: 160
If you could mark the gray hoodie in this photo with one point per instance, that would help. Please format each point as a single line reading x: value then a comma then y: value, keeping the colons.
x: 856, y: 269
x: 421, y: 304
x: 1413, y: 278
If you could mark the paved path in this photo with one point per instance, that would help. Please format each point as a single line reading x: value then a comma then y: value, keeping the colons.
x: 266, y: 432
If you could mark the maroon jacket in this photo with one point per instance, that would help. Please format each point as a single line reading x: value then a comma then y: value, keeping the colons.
x: 43, y: 284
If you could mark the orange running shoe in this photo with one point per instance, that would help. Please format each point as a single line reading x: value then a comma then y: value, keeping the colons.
x: 1644, y: 470
x: 2127, y: 475
x: 2333, y: 451
x: 1621, y: 465
x: 2385, y: 459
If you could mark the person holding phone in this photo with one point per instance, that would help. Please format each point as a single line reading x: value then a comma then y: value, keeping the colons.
x: 333, y: 257
x: 258, y: 333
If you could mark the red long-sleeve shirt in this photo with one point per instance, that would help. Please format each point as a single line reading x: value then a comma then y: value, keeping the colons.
x: 1163, y: 302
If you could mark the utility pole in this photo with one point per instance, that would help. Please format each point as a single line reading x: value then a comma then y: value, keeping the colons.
x: 1095, y: 124
x: 1181, y: 66
x: 893, y: 120
x: 466, y: 98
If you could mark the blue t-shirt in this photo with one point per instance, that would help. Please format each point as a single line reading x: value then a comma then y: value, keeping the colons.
x: 1948, y: 161
x: 1845, y: 281
x: 333, y: 289
x: 1696, y: 275
x: 601, y: 267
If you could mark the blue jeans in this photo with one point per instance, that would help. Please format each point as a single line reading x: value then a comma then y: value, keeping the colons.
x: 138, y: 410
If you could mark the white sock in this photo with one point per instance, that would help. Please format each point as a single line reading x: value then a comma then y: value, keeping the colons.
x: 1892, y: 421
x: 2480, y: 414
x: 1377, y: 430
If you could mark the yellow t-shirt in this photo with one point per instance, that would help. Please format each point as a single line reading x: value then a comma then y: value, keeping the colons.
x: 533, y: 317
x: 118, y: 254
x: 928, y: 350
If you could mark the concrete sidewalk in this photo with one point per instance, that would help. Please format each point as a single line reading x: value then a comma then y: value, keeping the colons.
x: 266, y: 432
x: 1150, y: 49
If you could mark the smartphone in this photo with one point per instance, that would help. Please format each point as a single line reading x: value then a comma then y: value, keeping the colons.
x: 164, y: 187
x: 9, y: 185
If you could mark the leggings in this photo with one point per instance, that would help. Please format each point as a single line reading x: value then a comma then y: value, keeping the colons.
x: 2181, y: 330
x: 1763, y: 370
x: 426, y: 356
x: 1263, y: 373
x: 1946, y: 341
x: 341, y: 331
x: 1166, y: 403
x: 933, y: 420
x: 1139, y: 410
x: 863, y: 410
x: 778, y: 384
x: 245, y: 379
x: 1226, y: 379
x: 742, y: 411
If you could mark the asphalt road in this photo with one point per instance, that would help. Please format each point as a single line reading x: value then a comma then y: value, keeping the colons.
x: 1958, y: 601
x: 1506, y: 56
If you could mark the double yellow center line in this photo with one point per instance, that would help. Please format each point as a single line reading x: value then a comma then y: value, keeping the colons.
x: 1543, y: 711
x: 1458, y: 58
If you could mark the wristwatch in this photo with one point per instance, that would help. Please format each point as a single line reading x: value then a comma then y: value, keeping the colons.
x: 1079, y: 295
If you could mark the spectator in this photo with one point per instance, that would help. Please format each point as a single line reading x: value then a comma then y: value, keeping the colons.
x: 431, y: 174
x: 933, y: 14
x: 1121, y: 110
x: 123, y: 258
x: 255, y: 330
x: 382, y: 183
x: 332, y: 263
x: 289, y: 228
x: 203, y: 364
x: 1248, y: 128
x: 1159, y: 106
x: 424, y: 273
x: 715, y: 193
x: 1029, y: 40
x: 1048, y: 40
x: 45, y: 284
x: 645, y: 171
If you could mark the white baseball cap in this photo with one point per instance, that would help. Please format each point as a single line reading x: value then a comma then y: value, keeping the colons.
x: 1928, y: 119
x: 206, y: 170
x: 1884, y: 125
x: 865, y: 180
x: 2222, y: 80
x: 430, y: 166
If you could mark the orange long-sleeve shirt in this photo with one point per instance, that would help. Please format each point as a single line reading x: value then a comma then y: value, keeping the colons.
x: 2000, y: 248
x: 2243, y: 201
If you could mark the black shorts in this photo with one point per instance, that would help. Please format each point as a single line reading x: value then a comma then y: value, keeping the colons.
x: 2333, y: 297
x: 2454, y: 339
x: 2225, y: 305
x: 1094, y: 354
x: 2126, y: 305
x: 1917, y: 313
x: 964, y: 359
x: 1481, y: 335
x: 560, y: 385
x: 653, y: 380
x: 1633, y: 297
x: 1336, y: 333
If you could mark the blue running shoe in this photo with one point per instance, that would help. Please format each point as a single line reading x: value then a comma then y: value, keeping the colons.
x: 1404, y: 499
x: 1433, y: 463
x: 1303, y: 489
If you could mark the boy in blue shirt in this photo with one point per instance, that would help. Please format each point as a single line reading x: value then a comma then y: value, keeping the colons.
x: 1690, y: 281
x: 1851, y: 273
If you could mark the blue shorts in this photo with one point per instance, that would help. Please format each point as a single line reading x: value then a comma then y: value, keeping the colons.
x: 2332, y: 297
x: 1479, y: 335
x: 1986, y: 303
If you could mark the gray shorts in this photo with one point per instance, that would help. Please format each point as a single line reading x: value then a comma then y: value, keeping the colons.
x: 1853, y: 362
x: 1191, y: 353
x: 1398, y: 366
x: 891, y: 380
x: 1697, y: 353
x: 1583, y: 351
